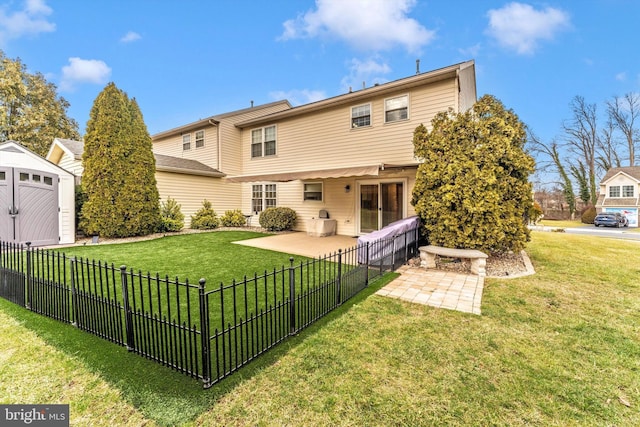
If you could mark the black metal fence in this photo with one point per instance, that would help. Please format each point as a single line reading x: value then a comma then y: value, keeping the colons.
x: 205, y: 333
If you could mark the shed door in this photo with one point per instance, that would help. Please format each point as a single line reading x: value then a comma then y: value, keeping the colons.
x: 29, y: 206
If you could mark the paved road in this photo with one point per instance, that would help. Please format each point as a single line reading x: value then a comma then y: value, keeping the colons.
x: 590, y: 230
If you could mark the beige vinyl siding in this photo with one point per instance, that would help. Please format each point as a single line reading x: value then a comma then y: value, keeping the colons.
x: 70, y: 164
x: 190, y: 190
x: 326, y: 140
x: 341, y: 205
x: 231, y: 137
x: 208, y: 155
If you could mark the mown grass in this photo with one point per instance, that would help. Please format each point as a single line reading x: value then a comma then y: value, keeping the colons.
x: 561, y: 347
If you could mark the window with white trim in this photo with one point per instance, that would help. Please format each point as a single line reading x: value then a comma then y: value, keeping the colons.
x: 396, y: 109
x: 361, y: 116
x: 614, y: 191
x: 627, y: 191
x: 312, y: 191
x: 263, y: 142
x: 199, y: 139
x: 186, y: 142
x: 263, y: 196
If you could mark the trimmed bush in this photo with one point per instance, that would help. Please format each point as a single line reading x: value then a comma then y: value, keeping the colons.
x: 277, y: 219
x: 172, y: 217
x: 589, y: 215
x: 233, y: 218
x: 206, y: 218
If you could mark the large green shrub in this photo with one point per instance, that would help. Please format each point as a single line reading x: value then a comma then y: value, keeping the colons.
x: 233, y: 218
x: 119, y: 169
x: 205, y: 218
x: 277, y: 219
x: 589, y: 215
x: 472, y: 189
x: 172, y: 216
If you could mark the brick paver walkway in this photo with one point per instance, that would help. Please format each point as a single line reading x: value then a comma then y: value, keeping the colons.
x: 437, y: 288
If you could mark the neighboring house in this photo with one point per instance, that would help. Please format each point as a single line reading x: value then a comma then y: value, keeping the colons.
x: 37, y: 201
x: 350, y: 155
x: 620, y: 192
x: 175, y: 176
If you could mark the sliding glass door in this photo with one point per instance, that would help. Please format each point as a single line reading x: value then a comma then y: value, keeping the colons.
x: 381, y: 203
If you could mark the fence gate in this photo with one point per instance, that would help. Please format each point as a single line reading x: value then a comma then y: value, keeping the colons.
x: 28, y: 206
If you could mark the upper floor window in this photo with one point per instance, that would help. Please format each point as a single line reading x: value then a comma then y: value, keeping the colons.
x: 263, y: 141
x: 614, y: 191
x: 627, y: 191
x: 199, y: 139
x: 396, y: 108
x: 186, y: 142
x: 361, y: 116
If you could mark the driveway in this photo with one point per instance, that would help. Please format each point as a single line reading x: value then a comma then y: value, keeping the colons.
x: 590, y: 230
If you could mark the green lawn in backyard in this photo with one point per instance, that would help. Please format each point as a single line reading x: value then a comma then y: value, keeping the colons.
x: 561, y: 347
x: 190, y: 256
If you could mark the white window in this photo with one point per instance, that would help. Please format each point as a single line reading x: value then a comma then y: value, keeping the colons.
x: 627, y: 191
x: 614, y: 191
x: 262, y: 197
x: 263, y: 142
x: 312, y: 191
x: 396, y: 108
x: 199, y: 139
x: 361, y: 116
x: 186, y: 142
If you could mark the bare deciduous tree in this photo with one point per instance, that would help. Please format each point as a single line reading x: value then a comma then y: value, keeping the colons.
x: 624, y: 112
x: 581, y: 133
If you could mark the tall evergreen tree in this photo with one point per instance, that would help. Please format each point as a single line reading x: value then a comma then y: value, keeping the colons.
x: 119, y: 169
x: 30, y: 110
x: 472, y: 189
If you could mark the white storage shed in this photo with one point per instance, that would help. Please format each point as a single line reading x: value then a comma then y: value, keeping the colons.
x: 37, y: 198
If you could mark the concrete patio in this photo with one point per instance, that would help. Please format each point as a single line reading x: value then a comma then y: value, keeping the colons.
x: 435, y: 288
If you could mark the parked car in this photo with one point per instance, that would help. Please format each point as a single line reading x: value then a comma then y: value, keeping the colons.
x: 611, y: 219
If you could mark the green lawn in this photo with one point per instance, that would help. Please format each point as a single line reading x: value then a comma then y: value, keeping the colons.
x: 561, y: 347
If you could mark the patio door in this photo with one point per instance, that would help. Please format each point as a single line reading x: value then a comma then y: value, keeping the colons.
x: 381, y: 203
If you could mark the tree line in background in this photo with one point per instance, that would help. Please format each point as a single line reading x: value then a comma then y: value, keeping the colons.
x: 589, y: 146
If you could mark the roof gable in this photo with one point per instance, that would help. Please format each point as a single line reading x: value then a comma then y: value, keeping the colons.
x: 632, y: 172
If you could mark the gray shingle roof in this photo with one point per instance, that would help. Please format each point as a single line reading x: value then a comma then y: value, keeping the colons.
x: 632, y: 171
x: 163, y: 163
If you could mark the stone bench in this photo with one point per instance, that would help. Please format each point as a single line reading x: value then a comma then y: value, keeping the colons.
x: 478, y: 259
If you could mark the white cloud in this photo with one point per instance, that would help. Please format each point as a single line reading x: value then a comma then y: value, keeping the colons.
x: 30, y: 21
x: 366, y: 24
x: 520, y: 27
x: 366, y: 73
x: 471, y: 51
x: 298, y: 96
x: 131, y: 36
x: 621, y: 77
x: 84, y: 71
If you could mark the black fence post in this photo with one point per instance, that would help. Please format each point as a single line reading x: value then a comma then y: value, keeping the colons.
x: 292, y: 298
x: 339, y: 278
x: 128, y: 322
x: 366, y: 266
x: 204, y: 334
x: 74, y: 293
x: 28, y: 284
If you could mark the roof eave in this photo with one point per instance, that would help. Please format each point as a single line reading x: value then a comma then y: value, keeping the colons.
x: 355, y: 96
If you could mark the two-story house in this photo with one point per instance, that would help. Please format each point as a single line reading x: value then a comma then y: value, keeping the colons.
x: 350, y: 155
x: 620, y: 192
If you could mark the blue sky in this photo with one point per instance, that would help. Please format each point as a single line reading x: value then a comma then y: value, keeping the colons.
x: 186, y: 60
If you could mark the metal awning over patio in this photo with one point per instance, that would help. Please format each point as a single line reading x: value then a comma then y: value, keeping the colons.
x: 372, y: 170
